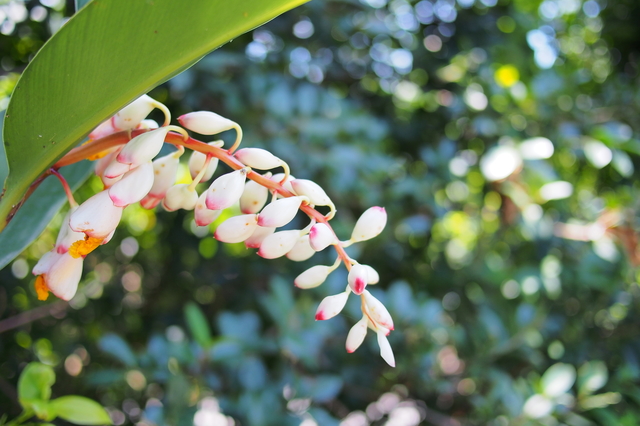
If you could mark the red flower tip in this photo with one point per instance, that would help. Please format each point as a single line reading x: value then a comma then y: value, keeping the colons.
x: 320, y: 316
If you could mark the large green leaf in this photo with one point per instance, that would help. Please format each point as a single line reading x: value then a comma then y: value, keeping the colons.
x: 109, y: 53
x: 80, y: 410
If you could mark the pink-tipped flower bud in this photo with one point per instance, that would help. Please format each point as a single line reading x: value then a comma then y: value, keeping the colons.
x: 258, y: 158
x: 258, y: 236
x: 287, y: 184
x: 356, y: 335
x: 377, y: 311
x: 202, y: 215
x: 280, y: 212
x: 370, y: 224
x: 97, y: 217
x: 105, y: 161
x: 206, y: 122
x: 67, y: 236
x: 278, y: 244
x: 331, y: 306
x: 130, y: 116
x: 321, y: 236
x: 236, y: 229
x: 198, y: 160
x: 357, y: 278
x: 143, y: 147
x: 302, y: 250
x: 372, y: 275
x: 104, y: 129
x: 253, y: 198
x: 226, y: 190
x: 165, y: 171
x: 312, y: 277
x: 114, y: 172
x: 311, y: 190
x: 180, y: 196
x: 133, y: 186
x: 385, y: 348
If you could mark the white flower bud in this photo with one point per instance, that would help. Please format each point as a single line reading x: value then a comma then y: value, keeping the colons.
x: 258, y: 237
x: 279, y: 212
x: 114, y: 172
x: 253, y: 198
x: 357, y: 279
x: 180, y: 197
x: 197, y: 161
x: 236, y: 229
x: 97, y: 217
x: 312, y: 277
x: 148, y: 125
x: 287, y: 184
x: 202, y: 215
x: 385, y: 348
x: 143, y: 147
x: 206, y: 122
x: 130, y: 116
x: 321, y: 236
x: 311, y: 190
x: 104, y: 129
x: 302, y: 250
x: 67, y: 236
x: 370, y: 224
x: 278, y: 244
x: 372, y: 275
x: 356, y: 335
x: 63, y: 276
x: 133, y: 186
x: 377, y: 311
x: 106, y: 160
x: 258, y: 158
x: 165, y: 171
x: 226, y: 190
x: 331, y: 306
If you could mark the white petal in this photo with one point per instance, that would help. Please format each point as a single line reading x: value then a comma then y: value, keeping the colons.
x: 385, y: 349
x: 357, y: 279
x: 64, y: 276
x: 312, y: 277
x: 279, y: 212
x: 370, y: 224
x: 253, y: 198
x: 356, y: 335
x: 202, y: 215
x: 196, y: 163
x: 46, y: 261
x: 372, y: 275
x: 226, y: 190
x: 206, y: 122
x: 165, y: 170
x: 130, y: 116
x: 143, y: 148
x: 115, y: 170
x: 377, y: 311
x: 104, y: 129
x: 180, y: 197
x: 97, y: 217
x: 133, y: 186
x: 236, y: 229
x: 258, y: 237
x: 312, y: 190
x: 67, y: 236
x: 278, y: 244
x: 302, y: 250
x: 321, y: 236
x: 258, y: 158
x: 331, y: 306
x: 287, y: 184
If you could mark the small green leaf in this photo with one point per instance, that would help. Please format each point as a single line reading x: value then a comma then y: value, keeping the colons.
x: 80, y: 410
x: 35, y: 383
x: 198, y: 325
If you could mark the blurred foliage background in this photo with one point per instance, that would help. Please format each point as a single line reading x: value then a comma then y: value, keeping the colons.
x: 500, y: 135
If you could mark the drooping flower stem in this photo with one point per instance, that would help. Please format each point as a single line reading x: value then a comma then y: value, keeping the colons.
x: 65, y: 186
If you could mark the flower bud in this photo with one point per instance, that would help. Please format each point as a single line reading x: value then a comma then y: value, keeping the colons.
x: 356, y: 335
x: 302, y: 250
x: 258, y: 237
x: 279, y: 212
x: 67, y: 236
x: 372, y: 275
x: 278, y: 244
x: 312, y: 277
x: 197, y: 161
x: 377, y: 311
x: 385, y: 348
x: 226, y: 190
x: 148, y: 125
x: 130, y: 116
x: 180, y: 196
x: 331, y: 306
x: 202, y: 215
x: 206, y: 122
x: 63, y: 276
x: 311, y: 190
x: 104, y: 129
x: 236, y: 229
x: 45, y: 263
x: 321, y: 236
x: 370, y: 224
x: 114, y: 171
x: 287, y: 184
x: 97, y: 217
x: 143, y: 148
x: 357, y: 278
x: 165, y: 170
x: 258, y: 158
x: 133, y: 186
x: 253, y: 198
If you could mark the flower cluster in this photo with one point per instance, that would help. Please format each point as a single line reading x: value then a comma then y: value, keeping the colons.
x: 125, y: 149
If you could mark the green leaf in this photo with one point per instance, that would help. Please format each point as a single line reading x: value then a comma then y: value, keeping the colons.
x: 80, y: 410
x: 558, y: 379
x: 592, y: 376
x: 116, y: 346
x: 38, y: 211
x: 198, y: 325
x: 105, y: 56
x: 81, y: 3
x: 35, y: 383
